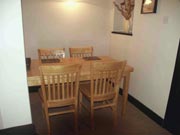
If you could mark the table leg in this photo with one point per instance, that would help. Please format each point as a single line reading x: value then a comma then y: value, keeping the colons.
x: 126, y: 80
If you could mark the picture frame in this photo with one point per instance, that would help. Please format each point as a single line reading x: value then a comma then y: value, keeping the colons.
x: 123, y: 17
x: 149, y: 6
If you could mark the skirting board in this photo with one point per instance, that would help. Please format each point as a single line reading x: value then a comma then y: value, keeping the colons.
x: 20, y: 130
x: 34, y: 89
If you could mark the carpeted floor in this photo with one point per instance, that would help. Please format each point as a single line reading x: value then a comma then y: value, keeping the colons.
x: 134, y: 123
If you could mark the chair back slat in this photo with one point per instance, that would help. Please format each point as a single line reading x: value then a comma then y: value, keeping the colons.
x: 58, y: 87
x: 58, y: 82
x: 107, y: 87
x: 106, y: 77
x: 62, y: 84
x: 53, y: 88
x: 72, y: 87
x: 96, y: 86
x: 49, y: 88
x: 67, y: 87
x: 81, y: 52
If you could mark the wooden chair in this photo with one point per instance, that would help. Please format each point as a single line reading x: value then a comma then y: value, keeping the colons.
x: 81, y: 52
x: 103, y: 89
x: 51, y: 53
x: 60, y: 86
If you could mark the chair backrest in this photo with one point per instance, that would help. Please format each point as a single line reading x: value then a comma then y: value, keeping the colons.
x: 106, y: 77
x: 60, y: 82
x: 81, y: 52
x: 51, y: 53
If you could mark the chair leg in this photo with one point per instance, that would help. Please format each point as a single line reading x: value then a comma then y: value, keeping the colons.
x: 76, y: 119
x: 47, y: 120
x: 43, y: 111
x: 80, y: 101
x: 115, y: 117
x: 92, y: 115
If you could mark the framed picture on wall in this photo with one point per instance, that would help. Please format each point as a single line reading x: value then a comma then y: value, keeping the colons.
x: 123, y: 16
x: 149, y: 6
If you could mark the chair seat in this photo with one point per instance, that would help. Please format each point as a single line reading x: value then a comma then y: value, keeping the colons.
x: 85, y: 90
x: 57, y: 103
x: 40, y: 94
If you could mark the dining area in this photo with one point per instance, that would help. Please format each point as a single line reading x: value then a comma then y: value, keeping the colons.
x: 97, y: 78
x: 88, y: 67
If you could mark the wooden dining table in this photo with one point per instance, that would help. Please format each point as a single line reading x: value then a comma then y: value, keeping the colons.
x: 33, y: 74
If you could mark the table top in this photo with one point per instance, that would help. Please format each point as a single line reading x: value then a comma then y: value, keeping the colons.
x: 33, y: 74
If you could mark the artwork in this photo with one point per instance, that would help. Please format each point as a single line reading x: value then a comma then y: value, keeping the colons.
x: 123, y: 16
x: 125, y: 7
x: 149, y: 6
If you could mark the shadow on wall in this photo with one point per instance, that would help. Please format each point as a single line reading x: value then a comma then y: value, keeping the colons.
x: 53, y: 24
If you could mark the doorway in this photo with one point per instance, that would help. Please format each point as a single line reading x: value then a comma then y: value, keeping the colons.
x: 172, y: 116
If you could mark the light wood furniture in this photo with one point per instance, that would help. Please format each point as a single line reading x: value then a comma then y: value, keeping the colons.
x: 51, y: 53
x: 33, y: 75
x: 81, y: 52
x: 103, y: 90
x: 59, y: 86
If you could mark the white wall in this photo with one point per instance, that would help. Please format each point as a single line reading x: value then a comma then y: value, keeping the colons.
x: 14, y: 98
x: 53, y: 23
x: 152, y: 52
